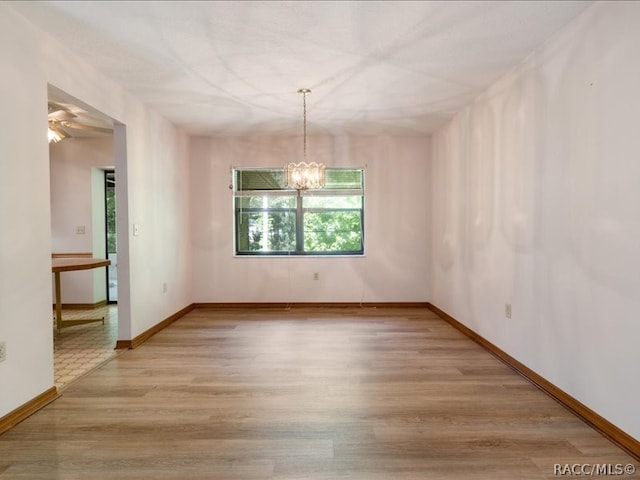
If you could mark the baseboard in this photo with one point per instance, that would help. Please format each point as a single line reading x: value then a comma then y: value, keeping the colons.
x: 283, y: 305
x: 82, y: 306
x: 147, y: 334
x: 32, y: 406
x: 606, y: 428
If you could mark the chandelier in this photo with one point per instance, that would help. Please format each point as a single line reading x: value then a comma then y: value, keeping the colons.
x: 303, y: 175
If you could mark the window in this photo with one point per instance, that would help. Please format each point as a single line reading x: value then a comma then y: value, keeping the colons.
x: 273, y: 220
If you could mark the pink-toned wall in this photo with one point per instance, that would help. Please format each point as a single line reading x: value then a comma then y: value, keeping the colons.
x: 536, y: 204
x: 395, y: 265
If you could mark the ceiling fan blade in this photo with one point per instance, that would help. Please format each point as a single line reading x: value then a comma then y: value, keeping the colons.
x: 88, y: 128
x: 58, y: 112
x: 62, y: 115
x: 54, y: 107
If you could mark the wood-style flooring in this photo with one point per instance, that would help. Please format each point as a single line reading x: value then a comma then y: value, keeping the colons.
x: 348, y: 393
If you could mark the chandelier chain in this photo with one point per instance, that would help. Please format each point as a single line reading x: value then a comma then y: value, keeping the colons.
x: 304, y: 125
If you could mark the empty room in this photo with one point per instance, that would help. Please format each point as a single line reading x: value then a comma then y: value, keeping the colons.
x: 319, y: 240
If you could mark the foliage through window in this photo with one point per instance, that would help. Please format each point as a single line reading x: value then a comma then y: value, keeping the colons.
x: 273, y: 220
x: 110, y: 209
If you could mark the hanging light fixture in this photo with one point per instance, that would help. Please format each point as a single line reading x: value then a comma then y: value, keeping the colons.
x: 303, y: 175
x: 56, y: 134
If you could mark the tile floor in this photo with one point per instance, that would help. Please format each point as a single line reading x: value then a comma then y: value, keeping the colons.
x: 78, y: 350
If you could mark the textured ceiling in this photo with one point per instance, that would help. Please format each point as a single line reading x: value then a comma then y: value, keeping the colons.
x: 235, y: 67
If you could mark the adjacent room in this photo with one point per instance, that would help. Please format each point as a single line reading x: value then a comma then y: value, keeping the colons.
x: 319, y: 240
x: 82, y: 227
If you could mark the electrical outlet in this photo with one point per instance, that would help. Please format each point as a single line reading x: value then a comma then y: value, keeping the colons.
x: 81, y: 230
x: 3, y: 351
x: 164, y: 287
x: 316, y: 276
x: 507, y: 310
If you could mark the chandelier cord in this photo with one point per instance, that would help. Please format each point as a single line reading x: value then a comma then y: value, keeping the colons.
x: 304, y: 125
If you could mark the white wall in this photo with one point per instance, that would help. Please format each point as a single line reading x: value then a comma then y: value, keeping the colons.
x: 394, y: 268
x: 158, y: 197
x: 25, y: 238
x: 154, y: 186
x: 535, y: 203
x: 77, y: 193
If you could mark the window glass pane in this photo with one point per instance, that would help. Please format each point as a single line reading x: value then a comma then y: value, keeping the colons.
x: 260, y: 179
x: 337, y: 178
x: 274, y: 179
x: 265, y: 201
x: 333, y: 231
x: 270, y: 231
x: 330, y: 201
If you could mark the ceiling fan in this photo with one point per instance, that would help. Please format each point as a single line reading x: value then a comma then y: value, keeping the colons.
x: 64, y: 123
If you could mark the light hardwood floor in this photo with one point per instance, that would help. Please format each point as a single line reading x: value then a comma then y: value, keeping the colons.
x: 367, y: 394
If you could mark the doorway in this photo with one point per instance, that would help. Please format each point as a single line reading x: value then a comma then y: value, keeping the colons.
x: 83, y: 163
x: 111, y: 239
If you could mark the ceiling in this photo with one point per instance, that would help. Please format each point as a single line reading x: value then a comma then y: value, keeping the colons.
x: 234, y: 67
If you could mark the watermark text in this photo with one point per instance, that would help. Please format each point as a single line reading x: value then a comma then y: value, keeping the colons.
x: 593, y: 469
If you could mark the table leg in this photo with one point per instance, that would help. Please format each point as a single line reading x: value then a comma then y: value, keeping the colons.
x: 58, y: 302
x: 60, y: 324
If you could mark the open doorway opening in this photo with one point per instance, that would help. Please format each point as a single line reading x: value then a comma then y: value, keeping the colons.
x: 83, y: 165
x: 111, y: 236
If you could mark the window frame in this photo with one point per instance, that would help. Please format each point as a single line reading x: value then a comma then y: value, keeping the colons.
x: 299, y: 211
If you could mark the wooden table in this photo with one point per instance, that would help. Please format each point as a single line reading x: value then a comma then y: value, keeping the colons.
x: 68, y: 265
